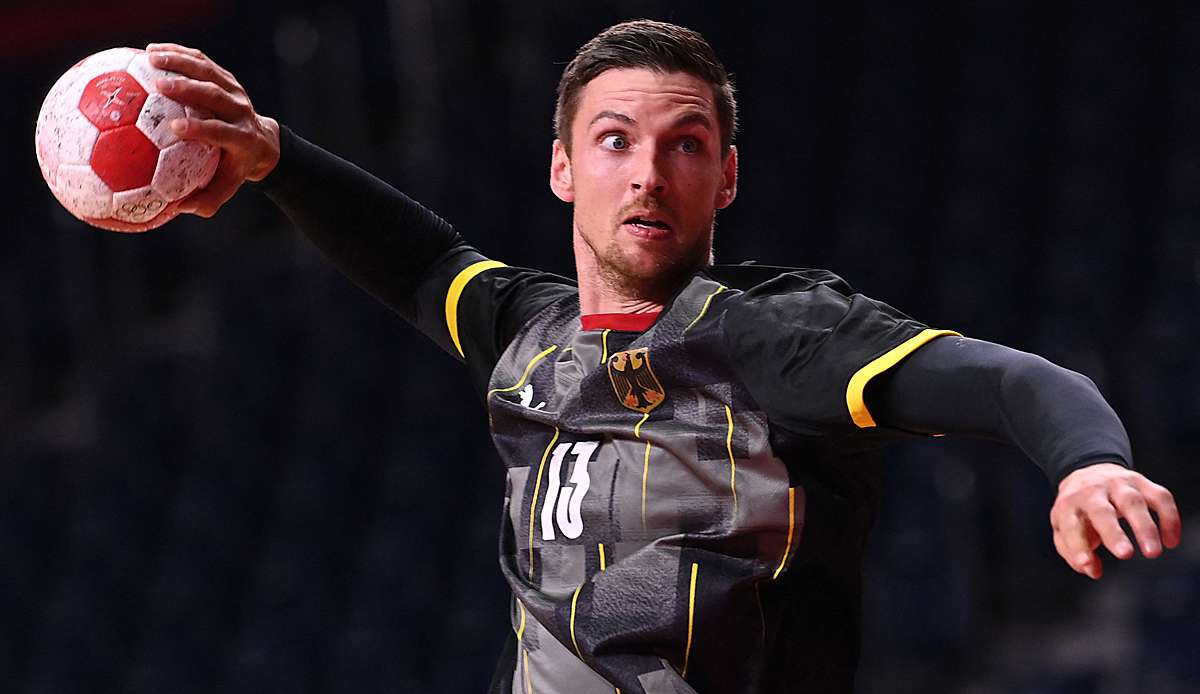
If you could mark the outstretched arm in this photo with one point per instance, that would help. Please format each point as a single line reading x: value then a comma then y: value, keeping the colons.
x: 387, y: 243
x: 379, y: 237
x: 1058, y: 418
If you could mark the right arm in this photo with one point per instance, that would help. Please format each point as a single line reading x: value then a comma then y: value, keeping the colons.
x: 391, y: 246
x: 380, y: 238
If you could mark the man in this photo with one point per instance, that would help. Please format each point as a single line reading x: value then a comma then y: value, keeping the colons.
x: 688, y: 445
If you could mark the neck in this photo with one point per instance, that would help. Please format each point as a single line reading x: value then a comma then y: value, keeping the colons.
x: 598, y: 294
x: 617, y: 305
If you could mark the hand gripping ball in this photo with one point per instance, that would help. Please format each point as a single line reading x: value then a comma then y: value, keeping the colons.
x: 106, y: 149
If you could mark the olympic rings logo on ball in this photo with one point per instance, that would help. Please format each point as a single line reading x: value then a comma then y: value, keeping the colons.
x: 140, y: 209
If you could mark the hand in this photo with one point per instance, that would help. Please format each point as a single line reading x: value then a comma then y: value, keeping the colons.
x: 249, y: 142
x: 1090, y: 502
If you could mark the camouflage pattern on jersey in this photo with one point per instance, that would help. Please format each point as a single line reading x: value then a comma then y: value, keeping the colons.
x: 644, y: 508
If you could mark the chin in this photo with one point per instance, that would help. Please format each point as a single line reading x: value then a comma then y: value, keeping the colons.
x: 651, y: 275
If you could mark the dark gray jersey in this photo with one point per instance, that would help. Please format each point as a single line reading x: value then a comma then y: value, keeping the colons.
x: 686, y: 506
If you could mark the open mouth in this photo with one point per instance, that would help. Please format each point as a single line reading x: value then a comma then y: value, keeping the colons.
x: 650, y: 228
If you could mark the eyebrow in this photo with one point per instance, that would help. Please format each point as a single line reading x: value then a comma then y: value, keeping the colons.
x: 694, y: 118
x: 690, y: 118
x: 614, y: 115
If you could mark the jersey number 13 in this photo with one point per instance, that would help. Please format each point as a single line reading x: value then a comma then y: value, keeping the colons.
x: 563, y: 501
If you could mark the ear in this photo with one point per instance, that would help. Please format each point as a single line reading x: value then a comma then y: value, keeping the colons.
x: 560, y: 173
x: 729, y: 172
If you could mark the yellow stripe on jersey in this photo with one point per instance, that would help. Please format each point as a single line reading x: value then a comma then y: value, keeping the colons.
x: 645, y: 474
x: 704, y: 309
x: 537, y: 488
x: 574, y: 599
x: 528, y: 367
x: 455, y: 293
x: 687, y: 654
x: 603, y: 564
x: 637, y: 432
x: 604, y: 341
x: 858, y: 382
x: 525, y: 653
x: 791, y: 530
x: 732, y: 464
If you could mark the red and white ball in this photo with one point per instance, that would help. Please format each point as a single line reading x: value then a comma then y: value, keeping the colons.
x: 106, y: 149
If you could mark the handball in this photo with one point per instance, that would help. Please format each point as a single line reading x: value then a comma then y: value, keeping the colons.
x: 106, y: 149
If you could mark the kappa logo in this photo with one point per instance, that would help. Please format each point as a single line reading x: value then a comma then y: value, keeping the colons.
x: 633, y: 380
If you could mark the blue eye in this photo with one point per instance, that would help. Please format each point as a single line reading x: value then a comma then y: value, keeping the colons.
x: 690, y: 145
x: 614, y: 141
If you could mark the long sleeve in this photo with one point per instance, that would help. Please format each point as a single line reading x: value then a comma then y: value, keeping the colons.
x: 380, y: 238
x: 406, y: 256
x: 956, y: 385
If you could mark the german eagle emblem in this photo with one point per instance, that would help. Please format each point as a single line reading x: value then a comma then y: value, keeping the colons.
x: 634, y: 381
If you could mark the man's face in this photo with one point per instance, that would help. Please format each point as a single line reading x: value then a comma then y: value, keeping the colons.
x: 646, y: 175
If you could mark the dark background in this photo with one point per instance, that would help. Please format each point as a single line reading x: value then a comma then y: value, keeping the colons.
x: 224, y: 468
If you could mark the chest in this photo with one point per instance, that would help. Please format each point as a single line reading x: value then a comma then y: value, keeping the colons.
x: 614, y: 441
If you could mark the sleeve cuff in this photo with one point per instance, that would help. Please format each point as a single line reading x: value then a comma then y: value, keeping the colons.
x: 279, y: 174
x: 1088, y: 461
x: 457, y: 285
x: 855, y: 403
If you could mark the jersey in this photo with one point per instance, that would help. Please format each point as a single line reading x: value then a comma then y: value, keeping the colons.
x: 686, y: 507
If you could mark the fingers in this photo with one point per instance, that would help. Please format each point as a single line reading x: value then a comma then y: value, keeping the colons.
x: 1132, y: 506
x: 1162, y: 502
x: 1104, y: 520
x: 174, y: 47
x: 1094, y: 566
x: 227, y: 136
x: 228, y: 177
x: 1076, y: 542
x: 1092, y: 502
x: 208, y: 96
x: 198, y: 68
x: 249, y: 142
x: 224, y: 184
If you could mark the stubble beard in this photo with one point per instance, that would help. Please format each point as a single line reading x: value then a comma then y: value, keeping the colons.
x: 629, y: 278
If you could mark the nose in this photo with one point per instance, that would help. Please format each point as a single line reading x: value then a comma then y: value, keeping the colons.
x: 647, y: 174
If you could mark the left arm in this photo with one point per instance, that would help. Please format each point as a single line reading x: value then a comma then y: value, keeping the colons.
x: 1057, y: 417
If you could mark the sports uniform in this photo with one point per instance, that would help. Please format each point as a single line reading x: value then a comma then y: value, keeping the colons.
x: 657, y: 538
x: 688, y: 495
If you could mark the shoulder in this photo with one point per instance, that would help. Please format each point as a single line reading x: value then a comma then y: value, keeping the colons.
x: 798, y: 337
x: 766, y: 279
x: 767, y: 298
x: 488, y: 303
x: 496, y: 286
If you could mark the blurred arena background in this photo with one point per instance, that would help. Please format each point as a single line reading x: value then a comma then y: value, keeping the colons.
x: 224, y: 468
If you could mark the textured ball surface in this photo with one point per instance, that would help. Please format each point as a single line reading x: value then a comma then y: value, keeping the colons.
x: 105, y: 147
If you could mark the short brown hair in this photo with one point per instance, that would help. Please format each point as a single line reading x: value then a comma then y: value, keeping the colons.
x: 644, y: 43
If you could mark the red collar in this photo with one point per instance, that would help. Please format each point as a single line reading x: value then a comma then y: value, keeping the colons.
x: 631, y: 322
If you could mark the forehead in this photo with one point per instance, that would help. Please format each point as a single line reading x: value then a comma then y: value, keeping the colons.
x: 644, y: 90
